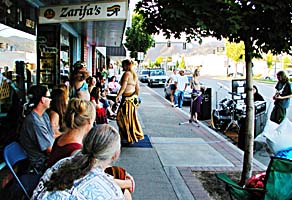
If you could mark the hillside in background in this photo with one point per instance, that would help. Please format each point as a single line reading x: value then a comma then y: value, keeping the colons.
x: 177, y: 49
x: 19, y: 43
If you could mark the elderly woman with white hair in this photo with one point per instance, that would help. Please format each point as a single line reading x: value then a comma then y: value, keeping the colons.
x: 82, y: 176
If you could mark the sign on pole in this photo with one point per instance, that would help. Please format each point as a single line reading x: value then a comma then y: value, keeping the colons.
x: 140, y: 56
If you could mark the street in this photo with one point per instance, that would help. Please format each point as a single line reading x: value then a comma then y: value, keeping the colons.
x: 221, y: 88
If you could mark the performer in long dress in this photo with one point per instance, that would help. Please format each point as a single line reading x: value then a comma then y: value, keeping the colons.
x: 197, y: 98
x: 127, y: 119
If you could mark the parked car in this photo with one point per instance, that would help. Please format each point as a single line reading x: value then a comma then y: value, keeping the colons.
x: 188, y: 92
x: 143, y: 75
x: 157, y: 77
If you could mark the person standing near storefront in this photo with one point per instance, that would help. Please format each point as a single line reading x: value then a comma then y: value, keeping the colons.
x: 127, y: 119
x: 79, y: 87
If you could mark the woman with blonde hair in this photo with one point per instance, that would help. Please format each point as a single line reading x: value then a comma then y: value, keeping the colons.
x: 127, y: 119
x: 82, y: 176
x: 79, y: 118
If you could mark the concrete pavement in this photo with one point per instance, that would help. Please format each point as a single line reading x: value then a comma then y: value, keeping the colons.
x: 165, y: 171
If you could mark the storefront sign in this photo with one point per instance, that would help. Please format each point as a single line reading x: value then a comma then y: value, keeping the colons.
x: 99, y: 11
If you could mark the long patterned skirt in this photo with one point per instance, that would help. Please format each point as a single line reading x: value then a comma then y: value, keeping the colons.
x: 127, y: 121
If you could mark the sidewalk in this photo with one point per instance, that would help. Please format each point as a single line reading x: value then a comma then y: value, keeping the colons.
x: 164, y: 172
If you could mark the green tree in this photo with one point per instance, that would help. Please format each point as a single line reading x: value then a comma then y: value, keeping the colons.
x: 269, y: 59
x: 286, y: 62
x: 176, y: 64
x: 158, y: 61
x: 235, y: 51
x: 137, y: 39
x: 182, y: 63
x: 262, y: 25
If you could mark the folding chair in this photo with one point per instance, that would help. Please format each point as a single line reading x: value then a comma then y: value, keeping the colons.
x: 278, y: 183
x: 14, y: 153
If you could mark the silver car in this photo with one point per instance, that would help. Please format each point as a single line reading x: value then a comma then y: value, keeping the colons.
x: 157, y: 77
x: 143, y: 75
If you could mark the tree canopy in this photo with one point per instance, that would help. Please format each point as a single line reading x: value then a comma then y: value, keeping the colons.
x: 265, y: 23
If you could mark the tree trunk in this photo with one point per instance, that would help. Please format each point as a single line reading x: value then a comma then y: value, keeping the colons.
x: 249, y: 129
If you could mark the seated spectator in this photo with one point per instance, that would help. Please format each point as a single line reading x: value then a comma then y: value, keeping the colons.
x: 84, y: 173
x: 65, y: 88
x: 113, y: 85
x: 101, y: 117
x: 107, y: 104
x: 256, y: 95
x: 57, y: 111
x: 37, y: 136
x: 79, y: 120
x: 79, y: 87
x: 91, y: 81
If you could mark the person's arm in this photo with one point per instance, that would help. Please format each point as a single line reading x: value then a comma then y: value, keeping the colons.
x: 124, y: 83
x: 288, y: 91
x: 137, y: 87
x: 283, y: 97
x: 186, y: 83
x: 54, y: 119
x: 128, y: 183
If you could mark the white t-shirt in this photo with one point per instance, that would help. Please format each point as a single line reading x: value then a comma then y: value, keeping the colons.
x: 181, y: 82
x: 173, y: 78
x: 111, y: 72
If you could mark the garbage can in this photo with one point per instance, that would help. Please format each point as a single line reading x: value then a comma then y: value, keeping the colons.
x: 206, y: 106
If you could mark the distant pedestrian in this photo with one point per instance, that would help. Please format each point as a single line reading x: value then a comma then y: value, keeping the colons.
x: 181, y: 84
x: 172, y: 82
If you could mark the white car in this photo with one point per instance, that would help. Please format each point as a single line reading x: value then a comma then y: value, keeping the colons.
x: 157, y: 77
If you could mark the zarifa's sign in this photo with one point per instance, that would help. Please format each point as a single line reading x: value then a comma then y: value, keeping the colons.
x: 100, y: 11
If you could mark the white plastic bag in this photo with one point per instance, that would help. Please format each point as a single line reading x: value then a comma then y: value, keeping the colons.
x: 279, y: 138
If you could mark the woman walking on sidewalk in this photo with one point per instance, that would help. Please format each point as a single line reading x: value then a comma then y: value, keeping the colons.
x: 127, y: 119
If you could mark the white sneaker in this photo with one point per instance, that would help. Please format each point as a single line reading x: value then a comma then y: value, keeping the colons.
x: 175, y: 105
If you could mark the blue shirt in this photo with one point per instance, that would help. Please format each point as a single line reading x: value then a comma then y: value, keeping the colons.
x: 96, y: 184
x: 35, y: 137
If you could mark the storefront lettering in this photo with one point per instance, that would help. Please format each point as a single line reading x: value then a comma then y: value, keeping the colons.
x: 45, y: 49
x: 84, y: 12
x: 81, y: 12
